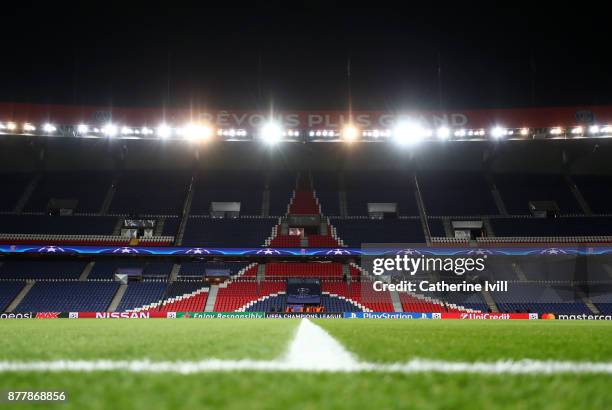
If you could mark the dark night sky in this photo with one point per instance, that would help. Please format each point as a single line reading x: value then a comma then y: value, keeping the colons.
x: 211, y: 57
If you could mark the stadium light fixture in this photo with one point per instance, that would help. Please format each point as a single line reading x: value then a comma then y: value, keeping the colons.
x: 498, y: 132
x: 164, y: 131
x: 408, y: 133
x: 49, y: 128
x: 271, y: 133
x: 196, y: 132
x: 443, y: 133
x: 110, y: 130
x: 577, y: 130
x: 350, y: 133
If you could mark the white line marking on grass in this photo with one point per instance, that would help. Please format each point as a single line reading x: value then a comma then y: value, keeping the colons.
x: 311, y: 350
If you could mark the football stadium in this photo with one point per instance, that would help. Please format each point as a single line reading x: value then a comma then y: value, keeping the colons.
x: 328, y: 252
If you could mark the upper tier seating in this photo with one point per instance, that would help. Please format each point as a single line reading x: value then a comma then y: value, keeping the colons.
x: 304, y: 203
x: 226, y: 186
x: 457, y: 193
x: 68, y: 297
x: 517, y: 190
x: 12, y: 187
x: 373, y: 187
x: 326, y: 187
x: 281, y: 184
x: 150, y: 193
x: 88, y: 188
x: 552, y: 227
x: 57, y: 225
x: 239, y: 232
x: 354, y: 232
x: 286, y: 241
x: 597, y: 191
x: 39, y: 269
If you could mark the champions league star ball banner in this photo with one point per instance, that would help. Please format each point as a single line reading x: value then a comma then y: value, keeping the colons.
x: 530, y: 280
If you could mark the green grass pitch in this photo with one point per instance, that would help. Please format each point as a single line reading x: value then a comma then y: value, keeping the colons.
x: 369, y: 340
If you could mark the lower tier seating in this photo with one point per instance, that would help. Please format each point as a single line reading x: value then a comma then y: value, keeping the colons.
x: 139, y: 294
x: 8, y: 292
x: 68, y: 297
x: 237, y: 294
x: 304, y: 270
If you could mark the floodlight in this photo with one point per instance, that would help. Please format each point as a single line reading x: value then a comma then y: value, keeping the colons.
x: 594, y: 129
x: 407, y: 133
x: 164, y: 131
x: 49, y: 128
x: 524, y: 131
x: 197, y: 132
x: 11, y: 126
x: 109, y: 130
x: 443, y: 133
x: 82, y: 129
x: 577, y: 130
x: 271, y: 133
x: 28, y: 127
x: 349, y: 133
x: 498, y: 132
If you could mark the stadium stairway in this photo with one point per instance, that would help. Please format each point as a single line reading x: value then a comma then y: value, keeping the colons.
x: 117, y: 298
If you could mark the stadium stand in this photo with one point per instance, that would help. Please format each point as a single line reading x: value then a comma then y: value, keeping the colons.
x: 139, y: 294
x: 224, y: 232
x: 517, y: 190
x: 355, y: 231
x: 8, y: 292
x: 68, y: 297
x: 379, y: 187
x: 596, y: 190
x: 458, y: 193
x: 534, y: 297
x: 199, y: 268
x: 57, y: 225
x: 293, y: 269
x: 327, y: 192
x: 236, y: 294
x: 88, y: 188
x: 278, y: 303
x: 139, y: 193
x: 552, y: 227
x: 41, y: 269
x: 243, y: 187
x: 13, y: 186
x: 281, y: 186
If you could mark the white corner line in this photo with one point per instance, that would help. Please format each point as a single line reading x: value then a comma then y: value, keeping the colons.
x: 311, y: 350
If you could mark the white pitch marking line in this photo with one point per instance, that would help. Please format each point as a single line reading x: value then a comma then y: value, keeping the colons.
x: 312, y: 350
